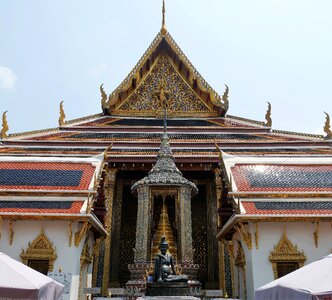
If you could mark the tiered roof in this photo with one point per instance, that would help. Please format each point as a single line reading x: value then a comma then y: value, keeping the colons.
x: 197, y: 122
x: 53, y: 188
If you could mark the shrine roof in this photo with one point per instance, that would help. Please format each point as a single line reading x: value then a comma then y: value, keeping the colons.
x: 251, y: 175
x: 47, y: 174
x: 108, y: 121
x: 282, y: 178
x: 140, y: 134
x: 287, y: 207
x: 41, y: 207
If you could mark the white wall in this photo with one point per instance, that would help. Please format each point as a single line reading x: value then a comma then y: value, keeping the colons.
x: 299, y: 233
x: 26, y: 231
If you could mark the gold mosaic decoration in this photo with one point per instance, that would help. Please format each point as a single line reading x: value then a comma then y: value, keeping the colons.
x: 180, y: 98
x: 285, y: 251
x: 40, y: 249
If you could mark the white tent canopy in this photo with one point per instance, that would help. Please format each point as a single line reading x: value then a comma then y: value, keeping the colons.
x: 313, y: 281
x: 21, y: 282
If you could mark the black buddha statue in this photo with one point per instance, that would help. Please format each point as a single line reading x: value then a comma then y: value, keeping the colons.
x: 164, y: 266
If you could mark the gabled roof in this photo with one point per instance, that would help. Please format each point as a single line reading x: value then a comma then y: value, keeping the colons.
x: 48, y: 175
x: 164, y: 64
x: 257, y: 176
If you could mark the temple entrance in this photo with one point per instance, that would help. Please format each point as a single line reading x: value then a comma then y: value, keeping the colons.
x: 203, y: 208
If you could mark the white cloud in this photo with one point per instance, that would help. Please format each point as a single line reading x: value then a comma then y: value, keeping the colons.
x: 7, y: 78
x: 95, y: 71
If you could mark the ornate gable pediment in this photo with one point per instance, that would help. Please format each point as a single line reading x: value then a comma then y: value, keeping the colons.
x: 164, y: 64
x: 180, y: 98
x: 41, y: 248
x: 285, y: 252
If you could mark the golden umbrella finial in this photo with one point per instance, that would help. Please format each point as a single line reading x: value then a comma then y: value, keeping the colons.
x: 62, y: 115
x: 327, y: 126
x: 268, y: 115
x: 5, y: 127
x: 163, y: 25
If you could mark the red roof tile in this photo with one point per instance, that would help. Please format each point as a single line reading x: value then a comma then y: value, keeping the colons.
x: 14, y: 175
x: 282, y: 178
x: 71, y: 208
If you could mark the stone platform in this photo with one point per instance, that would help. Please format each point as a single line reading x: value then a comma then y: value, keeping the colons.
x: 168, y: 298
x: 167, y: 289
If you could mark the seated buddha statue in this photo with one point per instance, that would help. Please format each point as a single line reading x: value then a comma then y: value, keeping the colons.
x: 164, y: 266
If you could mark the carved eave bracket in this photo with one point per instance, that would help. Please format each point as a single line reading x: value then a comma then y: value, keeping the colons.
x: 245, y: 235
x: 81, y: 233
x: 240, y: 259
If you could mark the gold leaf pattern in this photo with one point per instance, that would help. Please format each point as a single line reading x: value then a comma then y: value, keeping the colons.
x: 180, y: 97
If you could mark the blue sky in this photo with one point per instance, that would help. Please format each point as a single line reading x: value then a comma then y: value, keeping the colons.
x: 265, y: 50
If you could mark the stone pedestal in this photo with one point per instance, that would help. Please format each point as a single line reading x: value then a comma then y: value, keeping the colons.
x: 136, y: 286
x: 190, y: 269
x: 168, y: 298
x: 168, y: 289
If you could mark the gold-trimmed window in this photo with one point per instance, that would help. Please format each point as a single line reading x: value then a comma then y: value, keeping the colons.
x: 285, y: 257
x: 40, y: 254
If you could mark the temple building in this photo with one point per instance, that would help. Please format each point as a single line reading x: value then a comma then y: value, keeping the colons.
x: 241, y: 204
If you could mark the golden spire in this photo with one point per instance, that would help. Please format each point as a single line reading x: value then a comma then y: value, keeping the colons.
x: 327, y: 126
x: 62, y: 115
x: 164, y: 229
x: 268, y: 115
x: 163, y: 25
x: 5, y: 127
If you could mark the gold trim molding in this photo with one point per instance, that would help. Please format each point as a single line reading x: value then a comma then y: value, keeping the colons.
x: 316, y: 234
x: 245, y: 235
x: 11, y: 232
x: 80, y: 234
x: 41, y: 248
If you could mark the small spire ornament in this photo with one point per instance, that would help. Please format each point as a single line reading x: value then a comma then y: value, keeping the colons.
x: 163, y: 25
x: 103, y: 97
x: 62, y: 115
x: 327, y: 126
x: 5, y: 127
x: 268, y: 115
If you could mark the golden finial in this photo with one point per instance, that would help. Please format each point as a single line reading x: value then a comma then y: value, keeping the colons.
x: 225, y: 97
x: 268, y: 115
x: 5, y: 128
x: 163, y: 26
x: 327, y: 126
x: 103, y: 97
x: 62, y: 115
